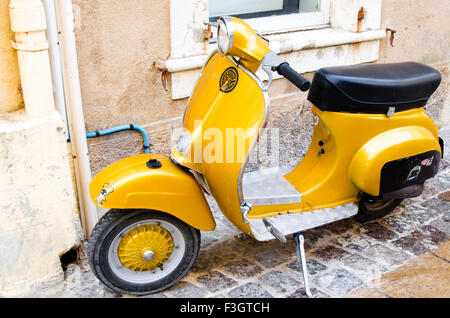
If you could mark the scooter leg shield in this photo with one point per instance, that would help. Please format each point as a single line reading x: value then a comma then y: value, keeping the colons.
x: 152, y: 182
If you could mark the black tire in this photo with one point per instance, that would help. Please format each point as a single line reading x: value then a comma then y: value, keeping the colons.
x: 370, y: 210
x: 106, y: 232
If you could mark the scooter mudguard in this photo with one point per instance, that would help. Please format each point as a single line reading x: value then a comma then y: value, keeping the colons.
x: 395, y: 159
x: 152, y: 182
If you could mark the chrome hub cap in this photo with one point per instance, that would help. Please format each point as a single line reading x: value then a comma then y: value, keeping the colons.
x: 148, y: 255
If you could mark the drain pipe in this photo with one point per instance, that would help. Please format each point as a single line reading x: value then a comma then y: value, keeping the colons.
x: 55, y: 61
x: 28, y: 24
x: 75, y: 113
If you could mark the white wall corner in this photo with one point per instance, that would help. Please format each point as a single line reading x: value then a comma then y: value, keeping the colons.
x: 183, y: 83
x: 186, y: 27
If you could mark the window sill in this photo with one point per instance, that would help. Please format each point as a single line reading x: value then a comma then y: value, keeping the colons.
x: 185, y: 70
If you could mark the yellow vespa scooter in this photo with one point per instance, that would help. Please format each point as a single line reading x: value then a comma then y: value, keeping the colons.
x: 372, y: 146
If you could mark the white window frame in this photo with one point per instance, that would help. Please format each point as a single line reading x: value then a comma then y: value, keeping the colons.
x: 308, y: 41
x: 293, y: 22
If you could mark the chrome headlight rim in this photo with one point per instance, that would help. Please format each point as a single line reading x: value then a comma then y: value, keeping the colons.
x: 225, y: 23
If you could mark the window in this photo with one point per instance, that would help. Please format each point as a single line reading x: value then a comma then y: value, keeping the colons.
x: 269, y: 16
x: 259, y: 8
x: 309, y: 34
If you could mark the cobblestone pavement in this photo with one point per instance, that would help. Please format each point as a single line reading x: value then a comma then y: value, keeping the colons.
x: 343, y: 258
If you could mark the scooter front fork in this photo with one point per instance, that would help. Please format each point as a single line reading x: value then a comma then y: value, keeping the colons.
x: 301, y: 259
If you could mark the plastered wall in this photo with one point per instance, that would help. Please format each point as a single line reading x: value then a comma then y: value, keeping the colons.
x: 118, y: 41
x: 10, y: 90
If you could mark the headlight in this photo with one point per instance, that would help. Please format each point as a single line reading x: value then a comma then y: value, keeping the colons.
x: 224, y: 35
x: 106, y: 190
x: 183, y: 143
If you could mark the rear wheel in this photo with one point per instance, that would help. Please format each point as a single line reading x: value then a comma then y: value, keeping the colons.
x: 141, y: 252
x: 373, y: 209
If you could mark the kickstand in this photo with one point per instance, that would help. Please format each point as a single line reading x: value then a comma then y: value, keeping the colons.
x: 301, y: 260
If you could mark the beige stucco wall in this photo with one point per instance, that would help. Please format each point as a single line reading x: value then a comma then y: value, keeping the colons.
x: 39, y: 219
x: 423, y: 35
x: 423, y: 31
x: 38, y: 208
x: 118, y: 42
x: 10, y: 91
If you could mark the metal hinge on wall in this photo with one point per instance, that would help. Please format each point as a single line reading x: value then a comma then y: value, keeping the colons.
x: 391, y: 38
x: 208, y: 34
x: 160, y: 65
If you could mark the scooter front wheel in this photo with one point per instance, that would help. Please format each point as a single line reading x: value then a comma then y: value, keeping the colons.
x: 141, y: 252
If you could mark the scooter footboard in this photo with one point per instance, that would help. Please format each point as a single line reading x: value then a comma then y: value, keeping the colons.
x: 152, y: 182
x: 395, y: 159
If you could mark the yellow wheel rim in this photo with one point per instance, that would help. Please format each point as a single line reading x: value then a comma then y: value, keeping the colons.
x: 145, y: 248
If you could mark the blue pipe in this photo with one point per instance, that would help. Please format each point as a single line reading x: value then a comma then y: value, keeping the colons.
x: 122, y: 128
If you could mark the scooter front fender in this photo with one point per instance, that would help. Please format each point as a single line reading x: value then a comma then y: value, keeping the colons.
x: 134, y: 183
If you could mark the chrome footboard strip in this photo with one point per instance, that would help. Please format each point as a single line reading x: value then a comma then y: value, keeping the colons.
x: 293, y: 223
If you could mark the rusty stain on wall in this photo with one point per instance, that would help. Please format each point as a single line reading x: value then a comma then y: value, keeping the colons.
x: 360, y: 19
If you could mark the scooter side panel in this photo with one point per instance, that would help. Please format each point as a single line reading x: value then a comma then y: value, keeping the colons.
x: 322, y: 177
x: 367, y: 164
x: 130, y: 184
x: 344, y: 134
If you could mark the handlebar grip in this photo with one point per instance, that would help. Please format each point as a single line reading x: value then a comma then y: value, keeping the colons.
x: 295, y: 78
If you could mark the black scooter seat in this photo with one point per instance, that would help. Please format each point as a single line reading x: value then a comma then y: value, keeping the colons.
x: 373, y: 88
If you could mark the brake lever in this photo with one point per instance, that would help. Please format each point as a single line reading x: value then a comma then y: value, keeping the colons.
x: 268, y: 70
x: 269, y: 64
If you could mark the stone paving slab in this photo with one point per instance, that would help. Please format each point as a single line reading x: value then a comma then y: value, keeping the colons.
x: 365, y: 292
x: 425, y: 277
x: 443, y: 251
x: 345, y: 259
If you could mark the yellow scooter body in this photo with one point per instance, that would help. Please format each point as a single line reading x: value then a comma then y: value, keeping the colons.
x: 172, y: 189
x: 223, y: 121
x: 366, y: 167
x: 226, y: 109
x: 131, y: 184
x: 350, y: 161
x: 242, y: 106
x: 355, y: 147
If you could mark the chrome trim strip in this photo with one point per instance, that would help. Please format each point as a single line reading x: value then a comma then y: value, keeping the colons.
x: 302, y: 221
x: 189, y: 100
x: 196, y: 83
x: 201, y: 180
x: 255, y: 141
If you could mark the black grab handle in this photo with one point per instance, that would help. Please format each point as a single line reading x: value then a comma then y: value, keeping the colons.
x: 295, y: 78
